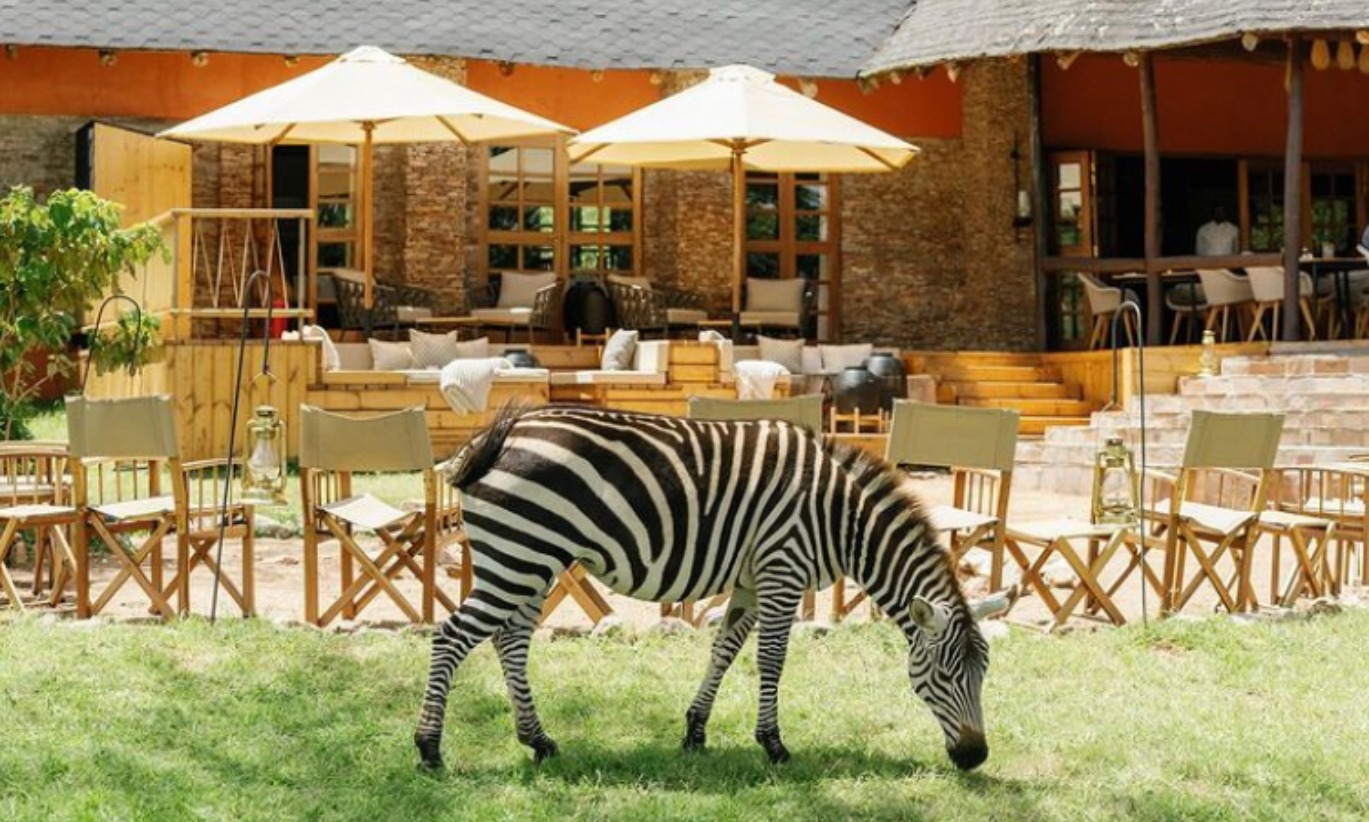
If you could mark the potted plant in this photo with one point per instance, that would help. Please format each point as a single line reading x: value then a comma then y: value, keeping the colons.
x: 57, y: 257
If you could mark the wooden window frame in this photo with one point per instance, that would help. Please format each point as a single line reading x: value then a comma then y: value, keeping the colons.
x: 355, y: 235
x: 789, y: 247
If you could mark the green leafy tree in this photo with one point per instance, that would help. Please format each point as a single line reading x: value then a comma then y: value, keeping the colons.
x: 57, y: 258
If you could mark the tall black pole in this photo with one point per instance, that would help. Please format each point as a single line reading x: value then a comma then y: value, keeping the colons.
x: 1292, y: 192
x: 1150, y: 137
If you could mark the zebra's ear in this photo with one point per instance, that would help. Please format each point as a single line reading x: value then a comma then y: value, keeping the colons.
x: 929, y: 617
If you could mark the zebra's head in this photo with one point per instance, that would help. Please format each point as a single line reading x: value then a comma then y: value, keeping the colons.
x: 947, y: 661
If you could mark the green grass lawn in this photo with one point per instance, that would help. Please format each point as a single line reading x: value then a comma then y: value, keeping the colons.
x: 248, y: 721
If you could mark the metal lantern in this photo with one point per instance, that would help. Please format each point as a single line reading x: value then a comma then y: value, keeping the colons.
x: 1115, y: 485
x: 263, y: 474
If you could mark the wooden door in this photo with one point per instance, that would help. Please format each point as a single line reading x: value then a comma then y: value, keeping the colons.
x: 1074, y: 220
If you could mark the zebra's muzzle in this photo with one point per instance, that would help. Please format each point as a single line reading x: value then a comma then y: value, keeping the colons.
x: 970, y: 749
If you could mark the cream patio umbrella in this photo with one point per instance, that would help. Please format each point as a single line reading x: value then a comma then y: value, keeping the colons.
x: 739, y: 119
x: 366, y: 96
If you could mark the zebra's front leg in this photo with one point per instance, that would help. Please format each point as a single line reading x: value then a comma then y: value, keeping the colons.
x: 512, y: 643
x: 777, y: 606
x: 741, y: 617
x: 472, y: 623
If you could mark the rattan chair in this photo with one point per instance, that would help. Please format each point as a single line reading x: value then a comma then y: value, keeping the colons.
x: 640, y: 305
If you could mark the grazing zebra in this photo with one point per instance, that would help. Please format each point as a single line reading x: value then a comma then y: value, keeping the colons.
x: 668, y: 509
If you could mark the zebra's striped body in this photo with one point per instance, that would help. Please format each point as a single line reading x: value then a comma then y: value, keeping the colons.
x: 668, y: 509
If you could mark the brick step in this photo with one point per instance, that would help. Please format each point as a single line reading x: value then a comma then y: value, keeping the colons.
x: 1036, y: 425
x: 999, y: 373
x: 1036, y: 407
x: 1025, y: 390
x: 944, y: 359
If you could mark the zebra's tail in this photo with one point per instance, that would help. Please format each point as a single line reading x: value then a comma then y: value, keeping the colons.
x: 476, y: 457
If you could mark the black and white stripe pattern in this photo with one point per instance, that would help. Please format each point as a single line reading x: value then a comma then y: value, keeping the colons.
x: 668, y: 509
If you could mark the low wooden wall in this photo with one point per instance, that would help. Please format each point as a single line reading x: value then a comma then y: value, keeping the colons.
x: 1093, y: 370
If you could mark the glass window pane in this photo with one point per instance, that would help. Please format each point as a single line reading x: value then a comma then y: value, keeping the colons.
x: 616, y: 188
x: 335, y: 255
x: 618, y: 258
x: 763, y: 226
x: 619, y: 219
x: 766, y: 265
x: 584, y: 189
x: 335, y: 214
x: 1071, y: 175
x: 503, y: 218
x: 538, y: 162
x: 584, y: 257
x: 810, y: 198
x: 762, y: 196
x: 812, y: 266
x: 503, y: 256
x: 539, y: 258
x: 539, y: 218
x: 810, y: 227
x: 538, y: 191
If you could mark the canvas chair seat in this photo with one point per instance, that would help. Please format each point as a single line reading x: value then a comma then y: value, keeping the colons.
x: 136, y: 509
x: 36, y: 511
x: 332, y: 448
x: 948, y: 518
x: 1211, y: 518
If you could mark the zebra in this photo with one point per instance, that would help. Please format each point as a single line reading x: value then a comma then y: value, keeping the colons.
x: 669, y: 509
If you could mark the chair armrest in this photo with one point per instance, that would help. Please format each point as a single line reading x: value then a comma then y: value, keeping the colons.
x: 679, y: 298
x: 544, y: 304
x: 483, y: 297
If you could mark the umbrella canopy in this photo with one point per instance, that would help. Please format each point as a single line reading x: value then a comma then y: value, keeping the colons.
x: 740, y: 118
x: 366, y: 96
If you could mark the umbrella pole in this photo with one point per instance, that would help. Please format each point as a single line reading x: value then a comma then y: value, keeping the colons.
x: 368, y: 207
x: 738, y: 234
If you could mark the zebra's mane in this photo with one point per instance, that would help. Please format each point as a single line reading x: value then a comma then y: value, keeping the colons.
x: 879, y: 477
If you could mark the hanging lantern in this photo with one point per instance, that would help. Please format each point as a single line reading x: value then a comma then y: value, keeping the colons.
x: 263, y: 474
x: 1115, y: 485
x: 1208, y: 364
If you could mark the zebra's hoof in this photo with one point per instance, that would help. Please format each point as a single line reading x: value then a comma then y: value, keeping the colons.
x: 696, y: 734
x: 774, y: 748
x: 429, y: 752
x: 543, y: 749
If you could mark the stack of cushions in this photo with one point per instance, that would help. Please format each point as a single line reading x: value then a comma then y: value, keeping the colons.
x: 425, y: 352
x: 812, y: 360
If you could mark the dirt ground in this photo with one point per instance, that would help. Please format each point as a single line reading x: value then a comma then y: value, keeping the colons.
x: 280, y: 578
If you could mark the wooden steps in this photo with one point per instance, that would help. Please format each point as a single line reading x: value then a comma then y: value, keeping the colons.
x: 985, y: 379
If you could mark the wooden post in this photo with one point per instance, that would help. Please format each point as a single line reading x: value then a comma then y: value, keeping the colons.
x: 368, y: 205
x: 738, y: 227
x: 1036, y: 150
x: 185, y: 276
x: 1292, y: 192
x: 1150, y: 134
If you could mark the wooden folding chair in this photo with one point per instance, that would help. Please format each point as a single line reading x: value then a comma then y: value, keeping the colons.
x: 1335, y: 493
x: 197, y: 533
x: 979, y: 446
x: 1061, y: 538
x: 332, y: 448
x: 32, y: 491
x: 119, y: 449
x: 1228, y: 461
x: 804, y: 410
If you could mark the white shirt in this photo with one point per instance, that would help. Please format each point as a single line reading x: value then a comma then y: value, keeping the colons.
x: 1218, y: 239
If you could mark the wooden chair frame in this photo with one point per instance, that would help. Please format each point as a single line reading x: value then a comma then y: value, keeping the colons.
x: 1059, y: 539
x: 1338, y: 493
x: 33, y: 486
x: 197, y: 535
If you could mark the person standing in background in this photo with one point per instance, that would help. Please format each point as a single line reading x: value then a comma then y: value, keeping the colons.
x: 1218, y: 237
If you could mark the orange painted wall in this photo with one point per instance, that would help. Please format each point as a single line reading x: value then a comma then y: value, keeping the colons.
x: 162, y: 85
x: 165, y: 85
x: 1204, y: 107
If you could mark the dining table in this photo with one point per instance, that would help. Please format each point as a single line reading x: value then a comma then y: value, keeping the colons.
x: 1339, y: 270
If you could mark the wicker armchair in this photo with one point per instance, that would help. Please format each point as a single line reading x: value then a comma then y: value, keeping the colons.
x: 645, y: 307
x: 393, y: 306
x: 540, y: 315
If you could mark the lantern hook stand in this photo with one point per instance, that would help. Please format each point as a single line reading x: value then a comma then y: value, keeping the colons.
x: 1130, y: 305
x: 233, y: 418
x: 137, y: 335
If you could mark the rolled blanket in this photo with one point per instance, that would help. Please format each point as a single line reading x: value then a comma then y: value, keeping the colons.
x: 465, y: 384
x: 756, y: 378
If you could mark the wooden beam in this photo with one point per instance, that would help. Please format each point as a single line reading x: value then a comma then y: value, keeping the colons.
x: 738, y: 226
x: 1150, y: 133
x: 368, y: 206
x: 1037, y: 158
x: 1292, y: 191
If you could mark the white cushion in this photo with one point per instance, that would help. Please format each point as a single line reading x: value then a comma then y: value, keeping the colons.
x: 774, y: 295
x: 812, y: 360
x: 788, y: 353
x: 390, y: 356
x: 773, y: 318
x: 620, y: 351
x: 432, y: 350
x: 837, y: 357
x: 685, y: 316
x: 411, y: 313
x: 504, y: 316
x: 520, y: 290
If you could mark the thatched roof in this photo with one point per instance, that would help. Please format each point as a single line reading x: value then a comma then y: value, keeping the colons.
x: 938, y: 31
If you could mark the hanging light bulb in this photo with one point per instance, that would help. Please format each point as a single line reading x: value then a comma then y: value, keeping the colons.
x: 1345, y: 55
x: 263, y: 475
x: 1321, y: 55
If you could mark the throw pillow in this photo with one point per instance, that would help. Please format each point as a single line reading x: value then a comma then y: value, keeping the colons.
x: 711, y: 335
x: 432, y: 350
x: 788, y: 353
x: 390, y: 356
x: 774, y: 295
x: 477, y: 349
x: 332, y: 361
x: 812, y: 360
x: 520, y: 290
x: 638, y: 282
x: 837, y: 357
x: 620, y: 351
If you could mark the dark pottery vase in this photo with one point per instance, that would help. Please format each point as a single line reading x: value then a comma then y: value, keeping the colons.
x: 855, y: 389
x: 893, y: 379
x: 520, y: 358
